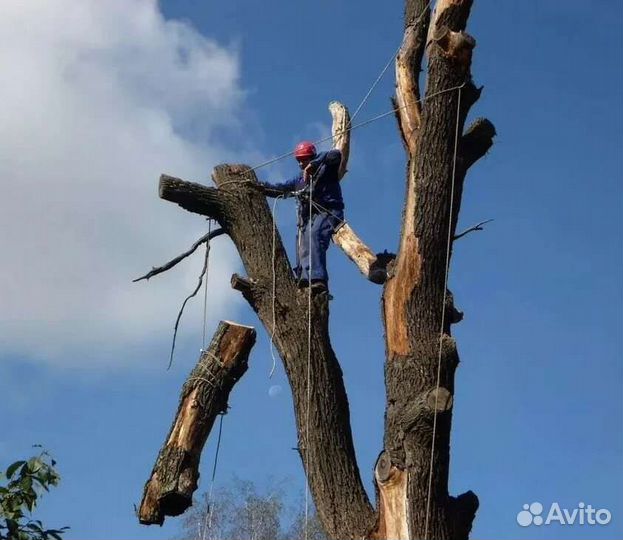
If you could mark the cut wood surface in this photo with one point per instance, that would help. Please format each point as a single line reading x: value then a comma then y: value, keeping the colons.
x: 204, y: 396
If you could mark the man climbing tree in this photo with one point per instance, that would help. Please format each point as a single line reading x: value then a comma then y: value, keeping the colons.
x: 412, y: 470
x: 319, y: 215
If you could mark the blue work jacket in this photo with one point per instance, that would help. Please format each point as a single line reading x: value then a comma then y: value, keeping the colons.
x: 326, y: 190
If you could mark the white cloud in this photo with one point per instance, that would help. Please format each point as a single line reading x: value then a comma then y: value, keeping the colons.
x: 97, y: 99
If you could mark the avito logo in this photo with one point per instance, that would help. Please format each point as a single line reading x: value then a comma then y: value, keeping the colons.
x: 584, y: 514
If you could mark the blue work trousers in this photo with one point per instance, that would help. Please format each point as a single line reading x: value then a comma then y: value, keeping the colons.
x: 321, y: 228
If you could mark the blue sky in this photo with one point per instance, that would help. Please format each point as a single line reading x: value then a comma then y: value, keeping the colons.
x: 132, y: 89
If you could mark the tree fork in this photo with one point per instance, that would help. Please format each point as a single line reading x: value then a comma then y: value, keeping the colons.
x: 204, y: 396
x: 323, y: 422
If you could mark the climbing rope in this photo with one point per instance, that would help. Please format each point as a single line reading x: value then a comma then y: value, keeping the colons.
x: 384, y: 70
x: 274, y: 291
x: 443, y: 312
x: 377, y: 81
x: 205, y: 291
x: 309, y: 340
x: 330, y: 137
x: 207, y: 524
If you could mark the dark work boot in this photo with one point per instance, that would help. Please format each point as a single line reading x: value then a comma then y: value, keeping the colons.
x: 319, y: 285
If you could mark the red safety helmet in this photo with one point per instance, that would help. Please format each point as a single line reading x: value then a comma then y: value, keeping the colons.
x: 304, y: 149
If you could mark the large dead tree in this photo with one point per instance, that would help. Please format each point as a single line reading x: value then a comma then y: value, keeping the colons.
x: 411, y: 473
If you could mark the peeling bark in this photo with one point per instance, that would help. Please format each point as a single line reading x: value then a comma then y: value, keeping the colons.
x: 418, y: 410
x: 392, y: 501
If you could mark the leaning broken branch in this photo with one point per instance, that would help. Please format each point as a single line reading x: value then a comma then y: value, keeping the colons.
x: 167, y: 266
x: 204, y: 396
x: 478, y: 227
x: 371, y: 266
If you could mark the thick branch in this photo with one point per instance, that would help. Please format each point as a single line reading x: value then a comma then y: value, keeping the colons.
x: 321, y: 409
x: 452, y: 14
x: 371, y: 266
x: 196, y: 198
x: 464, y: 511
x: 430, y: 175
x: 340, y: 131
x: 169, y: 490
x: 477, y: 141
x: 415, y: 305
x: 167, y: 266
x: 247, y: 287
x: 408, y: 68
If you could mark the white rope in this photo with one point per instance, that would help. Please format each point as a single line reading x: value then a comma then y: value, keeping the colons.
x: 207, y: 524
x: 443, y: 313
x: 389, y: 62
x: 274, y: 328
x: 205, y: 291
x: 350, y: 128
x: 309, y: 333
x: 378, y: 80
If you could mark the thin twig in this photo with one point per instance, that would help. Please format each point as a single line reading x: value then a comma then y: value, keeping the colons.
x: 167, y: 266
x: 478, y: 227
x: 179, y: 315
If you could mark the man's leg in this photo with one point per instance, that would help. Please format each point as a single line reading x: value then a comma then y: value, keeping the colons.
x: 323, y: 227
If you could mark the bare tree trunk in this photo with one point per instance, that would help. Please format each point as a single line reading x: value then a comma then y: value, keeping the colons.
x: 169, y: 490
x: 321, y: 406
x: 419, y: 346
x: 411, y: 473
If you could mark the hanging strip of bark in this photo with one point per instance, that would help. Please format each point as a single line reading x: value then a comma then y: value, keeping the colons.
x: 204, y: 396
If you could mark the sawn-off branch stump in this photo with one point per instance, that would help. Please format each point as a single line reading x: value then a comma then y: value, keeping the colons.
x: 204, y: 396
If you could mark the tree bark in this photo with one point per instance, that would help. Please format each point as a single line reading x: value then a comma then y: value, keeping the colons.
x: 421, y: 354
x: 411, y: 474
x: 321, y: 406
x: 170, y: 488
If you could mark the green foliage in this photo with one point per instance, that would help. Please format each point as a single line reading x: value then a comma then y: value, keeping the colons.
x: 21, y: 486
